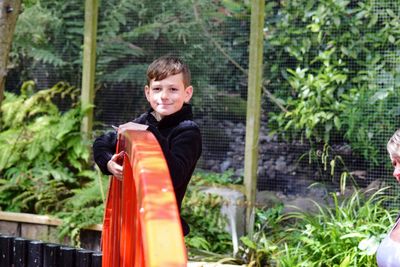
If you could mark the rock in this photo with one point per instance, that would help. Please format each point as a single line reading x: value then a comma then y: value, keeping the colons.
x: 303, y: 204
x: 374, y: 186
x: 225, y: 165
x: 239, y: 172
x: 234, y: 209
x: 279, y: 165
x: 268, y: 199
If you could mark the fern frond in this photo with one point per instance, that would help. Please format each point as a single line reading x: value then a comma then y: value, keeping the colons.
x: 129, y: 73
x: 47, y: 57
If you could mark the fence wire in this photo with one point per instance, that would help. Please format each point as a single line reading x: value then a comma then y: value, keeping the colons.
x: 213, y: 38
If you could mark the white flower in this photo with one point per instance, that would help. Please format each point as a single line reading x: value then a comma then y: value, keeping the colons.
x: 369, y: 245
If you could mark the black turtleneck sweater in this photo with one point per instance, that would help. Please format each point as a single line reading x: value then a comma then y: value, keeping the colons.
x: 180, y: 141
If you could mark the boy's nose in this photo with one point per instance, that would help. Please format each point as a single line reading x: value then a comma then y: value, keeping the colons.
x: 164, y: 94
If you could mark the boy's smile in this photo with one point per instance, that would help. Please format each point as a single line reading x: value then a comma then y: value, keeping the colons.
x: 168, y: 95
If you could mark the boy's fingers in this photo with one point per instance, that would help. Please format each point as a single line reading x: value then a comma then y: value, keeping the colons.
x: 118, y: 168
x: 120, y: 158
x: 117, y: 157
x: 118, y: 176
x: 118, y: 171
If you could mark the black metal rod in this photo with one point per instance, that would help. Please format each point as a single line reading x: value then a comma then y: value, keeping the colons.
x: 51, y: 255
x: 96, y: 259
x: 35, y: 253
x: 83, y: 258
x: 67, y: 257
x: 6, y: 249
x: 20, y: 252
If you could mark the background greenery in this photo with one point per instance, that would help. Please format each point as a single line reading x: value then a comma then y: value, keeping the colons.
x: 332, y: 68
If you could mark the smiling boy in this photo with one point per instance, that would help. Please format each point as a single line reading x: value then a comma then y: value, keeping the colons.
x: 170, y: 119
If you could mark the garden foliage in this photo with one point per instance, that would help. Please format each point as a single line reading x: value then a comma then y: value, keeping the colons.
x: 334, y: 65
x: 45, y: 165
x: 130, y: 35
x: 345, y: 233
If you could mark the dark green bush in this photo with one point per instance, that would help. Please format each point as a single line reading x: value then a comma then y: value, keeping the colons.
x: 334, y: 65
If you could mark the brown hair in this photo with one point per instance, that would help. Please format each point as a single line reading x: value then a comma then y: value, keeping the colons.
x: 166, y: 66
x: 393, y: 146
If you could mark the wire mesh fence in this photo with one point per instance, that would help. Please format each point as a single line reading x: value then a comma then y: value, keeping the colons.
x: 331, y: 70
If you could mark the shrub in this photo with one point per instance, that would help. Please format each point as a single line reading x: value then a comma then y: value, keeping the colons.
x: 45, y: 163
x: 346, y: 234
x: 334, y: 65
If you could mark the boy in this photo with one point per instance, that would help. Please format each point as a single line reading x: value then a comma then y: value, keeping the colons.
x: 170, y: 119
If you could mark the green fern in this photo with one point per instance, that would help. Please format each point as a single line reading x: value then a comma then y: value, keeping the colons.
x: 43, y: 151
x: 74, y: 221
x: 132, y: 73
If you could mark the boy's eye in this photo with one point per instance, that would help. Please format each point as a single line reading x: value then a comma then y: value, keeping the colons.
x: 174, y: 89
x: 395, y: 163
x: 156, y: 89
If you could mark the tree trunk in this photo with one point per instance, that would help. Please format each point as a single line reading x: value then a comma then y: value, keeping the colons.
x: 9, y: 11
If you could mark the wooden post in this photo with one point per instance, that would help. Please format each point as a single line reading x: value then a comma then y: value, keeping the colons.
x: 253, y: 108
x: 9, y: 11
x: 89, y: 64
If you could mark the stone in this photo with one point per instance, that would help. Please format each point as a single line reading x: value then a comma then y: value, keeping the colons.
x: 225, y: 165
x: 233, y: 209
x: 267, y: 199
x: 303, y: 204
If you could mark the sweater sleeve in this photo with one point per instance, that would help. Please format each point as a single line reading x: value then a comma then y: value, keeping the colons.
x: 181, y: 150
x: 104, y: 148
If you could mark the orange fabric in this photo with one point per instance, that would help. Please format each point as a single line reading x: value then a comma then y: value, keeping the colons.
x: 141, y: 223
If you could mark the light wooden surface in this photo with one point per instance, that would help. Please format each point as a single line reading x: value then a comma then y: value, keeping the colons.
x: 38, y: 219
x: 211, y: 264
x: 42, y: 227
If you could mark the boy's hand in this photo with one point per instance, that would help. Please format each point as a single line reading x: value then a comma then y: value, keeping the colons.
x: 131, y: 126
x: 114, y: 165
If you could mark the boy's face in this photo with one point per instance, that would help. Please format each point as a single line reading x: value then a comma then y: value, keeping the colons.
x: 168, y: 96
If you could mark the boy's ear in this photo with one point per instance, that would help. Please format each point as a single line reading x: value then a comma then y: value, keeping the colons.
x: 147, y: 92
x: 188, y: 93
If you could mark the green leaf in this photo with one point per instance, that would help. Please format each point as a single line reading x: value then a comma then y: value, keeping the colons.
x: 337, y: 122
x: 248, y: 242
x: 391, y: 13
x: 345, y: 262
x: 378, y: 96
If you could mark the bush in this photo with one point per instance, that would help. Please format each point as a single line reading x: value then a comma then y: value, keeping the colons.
x: 203, y: 213
x: 334, y: 65
x: 346, y: 233
x: 45, y: 165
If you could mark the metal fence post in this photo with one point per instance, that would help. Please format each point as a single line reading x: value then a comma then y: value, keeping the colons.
x: 35, y: 253
x: 20, y: 252
x: 6, y: 248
